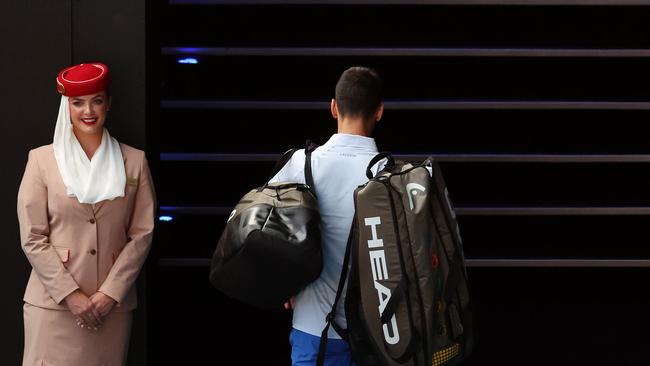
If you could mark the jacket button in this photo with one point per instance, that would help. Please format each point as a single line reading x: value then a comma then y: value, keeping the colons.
x: 92, y: 221
x: 93, y: 252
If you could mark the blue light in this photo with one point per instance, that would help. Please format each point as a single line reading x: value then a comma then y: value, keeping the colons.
x: 188, y: 60
x: 165, y: 218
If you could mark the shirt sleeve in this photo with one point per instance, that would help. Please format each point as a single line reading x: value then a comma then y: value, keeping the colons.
x: 293, y: 171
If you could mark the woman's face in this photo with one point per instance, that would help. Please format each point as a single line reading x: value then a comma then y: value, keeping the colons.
x: 88, y: 112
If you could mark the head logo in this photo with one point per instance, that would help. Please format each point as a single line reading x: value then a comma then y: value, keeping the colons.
x: 380, y: 272
x: 412, y: 189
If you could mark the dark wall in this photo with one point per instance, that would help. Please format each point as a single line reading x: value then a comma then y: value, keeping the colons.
x: 40, y: 37
x: 263, y: 66
x: 114, y: 32
x: 30, y: 59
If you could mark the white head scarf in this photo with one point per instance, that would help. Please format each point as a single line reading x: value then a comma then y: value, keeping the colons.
x: 91, y: 181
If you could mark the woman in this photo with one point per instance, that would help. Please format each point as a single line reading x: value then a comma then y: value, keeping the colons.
x: 86, y: 209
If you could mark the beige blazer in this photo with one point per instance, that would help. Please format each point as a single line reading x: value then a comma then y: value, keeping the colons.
x: 71, y: 245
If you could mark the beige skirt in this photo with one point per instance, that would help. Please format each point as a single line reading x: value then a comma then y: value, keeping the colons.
x: 52, y: 338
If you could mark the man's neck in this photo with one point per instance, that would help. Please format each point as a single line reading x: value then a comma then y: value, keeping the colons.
x: 354, y: 126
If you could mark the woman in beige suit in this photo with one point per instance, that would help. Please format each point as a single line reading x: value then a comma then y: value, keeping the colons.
x: 86, y: 209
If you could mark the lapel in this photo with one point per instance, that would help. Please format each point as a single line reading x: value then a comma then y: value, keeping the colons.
x: 97, y: 206
x: 88, y: 208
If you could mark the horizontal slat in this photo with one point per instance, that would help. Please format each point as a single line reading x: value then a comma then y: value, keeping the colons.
x: 217, y: 157
x: 530, y: 237
x: 412, y: 79
x: 496, y: 263
x: 509, y: 185
x: 555, y: 211
x: 594, y: 263
x: 465, y: 131
x: 464, y: 158
x: 464, y: 211
x: 406, y: 26
x: 407, y: 105
x: 195, y: 210
x: 241, y: 104
x: 424, y: 52
x: 413, y: 2
x: 184, y: 262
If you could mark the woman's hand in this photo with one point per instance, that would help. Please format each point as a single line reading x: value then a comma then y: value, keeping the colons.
x: 102, y: 303
x: 80, y: 306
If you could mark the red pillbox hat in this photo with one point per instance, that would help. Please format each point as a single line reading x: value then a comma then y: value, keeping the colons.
x: 83, y: 79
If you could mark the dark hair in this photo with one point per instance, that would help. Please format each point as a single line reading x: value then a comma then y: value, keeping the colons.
x: 358, y: 92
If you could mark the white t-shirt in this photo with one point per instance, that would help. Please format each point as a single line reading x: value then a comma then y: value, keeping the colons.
x: 338, y: 167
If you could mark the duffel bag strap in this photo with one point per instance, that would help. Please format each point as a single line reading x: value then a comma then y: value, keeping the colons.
x: 379, y: 157
x: 331, y: 317
x: 309, y: 178
x: 284, y: 159
x: 281, y: 163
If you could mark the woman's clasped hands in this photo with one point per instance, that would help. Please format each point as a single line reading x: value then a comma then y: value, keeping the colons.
x: 89, y: 310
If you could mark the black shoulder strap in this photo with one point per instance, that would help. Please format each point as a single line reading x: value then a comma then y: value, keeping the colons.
x: 379, y: 157
x: 331, y: 317
x: 284, y: 159
x: 281, y: 163
x: 309, y: 178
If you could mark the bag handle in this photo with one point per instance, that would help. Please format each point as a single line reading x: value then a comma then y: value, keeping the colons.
x: 309, y: 178
x: 284, y: 159
x: 280, y: 164
x: 379, y: 157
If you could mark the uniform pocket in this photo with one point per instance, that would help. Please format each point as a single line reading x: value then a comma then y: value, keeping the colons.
x: 63, y: 253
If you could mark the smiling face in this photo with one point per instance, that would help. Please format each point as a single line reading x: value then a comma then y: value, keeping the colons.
x: 88, y: 112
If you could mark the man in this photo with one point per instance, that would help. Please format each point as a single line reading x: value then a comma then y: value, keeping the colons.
x: 338, y: 168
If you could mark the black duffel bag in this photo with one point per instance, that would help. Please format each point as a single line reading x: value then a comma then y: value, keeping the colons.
x: 271, y: 246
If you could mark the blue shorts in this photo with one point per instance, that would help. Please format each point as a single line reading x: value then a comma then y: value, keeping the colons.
x: 304, y: 350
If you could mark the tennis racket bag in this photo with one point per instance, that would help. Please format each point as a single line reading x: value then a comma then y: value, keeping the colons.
x: 407, y: 299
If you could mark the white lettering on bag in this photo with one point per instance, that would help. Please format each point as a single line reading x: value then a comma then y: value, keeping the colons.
x: 380, y: 272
